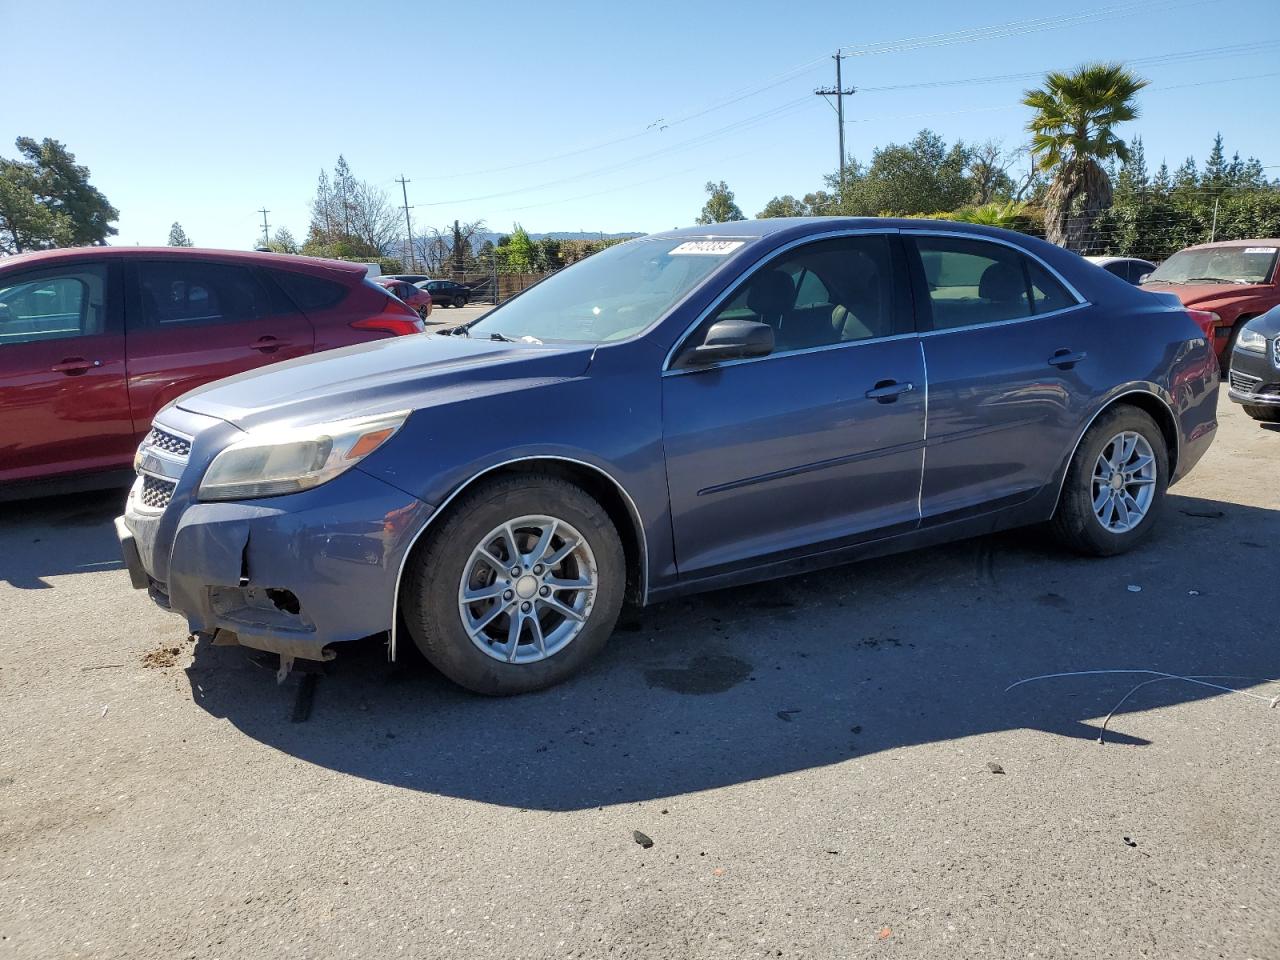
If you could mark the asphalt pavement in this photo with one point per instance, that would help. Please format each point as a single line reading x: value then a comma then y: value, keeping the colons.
x: 829, y: 766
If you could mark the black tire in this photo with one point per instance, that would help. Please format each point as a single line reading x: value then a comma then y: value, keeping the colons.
x: 1262, y: 414
x: 429, y: 594
x: 1074, y: 523
x: 459, y: 301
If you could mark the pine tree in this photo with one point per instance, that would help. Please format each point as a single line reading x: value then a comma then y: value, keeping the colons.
x: 178, y: 236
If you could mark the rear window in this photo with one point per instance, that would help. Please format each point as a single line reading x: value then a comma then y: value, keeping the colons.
x: 310, y: 292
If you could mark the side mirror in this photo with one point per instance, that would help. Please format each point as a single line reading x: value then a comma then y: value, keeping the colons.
x: 1142, y: 278
x: 731, y: 340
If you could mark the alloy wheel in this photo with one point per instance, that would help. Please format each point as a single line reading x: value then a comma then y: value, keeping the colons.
x: 1124, y: 482
x: 527, y: 589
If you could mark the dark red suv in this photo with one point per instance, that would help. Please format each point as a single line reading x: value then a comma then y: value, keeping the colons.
x: 95, y: 340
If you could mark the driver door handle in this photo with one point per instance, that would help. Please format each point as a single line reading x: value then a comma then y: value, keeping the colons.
x: 887, y: 391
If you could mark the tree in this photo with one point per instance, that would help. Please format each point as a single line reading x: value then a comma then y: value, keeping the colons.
x: 46, y: 200
x: 989, y: 172
x: 282, y: 241
x: 922, y: 176
x: 518, y: 254
x: 350, y: 218
x: 1073, y: 135
x: 784, y: 206
x: 178, y: 236
x: 720, y: 206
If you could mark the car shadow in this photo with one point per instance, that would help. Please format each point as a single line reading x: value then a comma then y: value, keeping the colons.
x: 52, y: 536
x: 770, y: 679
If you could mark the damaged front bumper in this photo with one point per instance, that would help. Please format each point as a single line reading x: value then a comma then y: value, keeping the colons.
x: 290, y: 574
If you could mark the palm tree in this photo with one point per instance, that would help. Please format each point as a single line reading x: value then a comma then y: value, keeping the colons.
x: 1072, y: 137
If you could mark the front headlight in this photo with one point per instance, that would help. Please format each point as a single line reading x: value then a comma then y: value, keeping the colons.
x: 1252, y: 341
x: 272, y: 462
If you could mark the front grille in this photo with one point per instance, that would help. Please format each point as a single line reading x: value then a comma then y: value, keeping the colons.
x: 156, y: 492
x: 168, y: 442
x: 1243, y: 383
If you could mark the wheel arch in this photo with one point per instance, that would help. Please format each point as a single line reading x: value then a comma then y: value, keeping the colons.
x: 1148, y: 402
x: 594, y: 480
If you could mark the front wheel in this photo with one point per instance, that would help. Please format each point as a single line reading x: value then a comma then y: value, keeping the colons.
x: 518, y: 587
x: 1115, y: 484
x: 1262, y: 414
x: 459, y: 301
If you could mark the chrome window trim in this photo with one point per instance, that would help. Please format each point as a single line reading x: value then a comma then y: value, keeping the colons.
x: 680, y: 371
x: 636, y: 516
x: 1004, y: 323
x: 747, y: 271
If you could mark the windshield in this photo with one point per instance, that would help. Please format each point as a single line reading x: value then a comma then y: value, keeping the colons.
x: 1217, y: 265
x: 611, y: 295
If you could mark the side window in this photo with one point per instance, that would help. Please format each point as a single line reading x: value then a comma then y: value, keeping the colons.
x: 53, y: 305
x: 308, y: 292
x: 825, y: 293
x: 1047, y: 294
x: 196, y: 292
x: 974, y: 282
x: 1119, y: 268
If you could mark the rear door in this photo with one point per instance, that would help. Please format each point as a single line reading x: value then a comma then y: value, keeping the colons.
x: 190, y: 321
x: 1006, y: 345
x: 64, y: 407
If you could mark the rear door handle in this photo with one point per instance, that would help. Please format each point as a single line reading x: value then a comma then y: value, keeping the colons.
x: 1065, y: 359
x: 887, y: 391
x: 268, y: 344
x: 74, y: 366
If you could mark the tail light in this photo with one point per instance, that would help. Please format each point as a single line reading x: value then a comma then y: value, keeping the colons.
x: 391, y: 322
x: 396, y: 318
x: 1206, y: 320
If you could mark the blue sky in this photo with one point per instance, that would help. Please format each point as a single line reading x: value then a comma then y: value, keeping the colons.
x: 204, y: 113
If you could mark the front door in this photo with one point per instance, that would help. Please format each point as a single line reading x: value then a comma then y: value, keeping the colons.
x: 191, y: 321
x: 64, y: 407
x: 817, y: 444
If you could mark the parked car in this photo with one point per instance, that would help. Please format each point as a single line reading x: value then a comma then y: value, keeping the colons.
x: 1130, y: 269
x: 681, y: 412
x: 1255, y: 367
x: 1234, y: 281
x: 448, y: 293
x: 407, y: 293
x: 407, y: 277
x: 95, y: 340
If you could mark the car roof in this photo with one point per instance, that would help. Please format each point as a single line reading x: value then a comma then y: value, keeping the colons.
x: 50, y: 258
x: 1103, y: 261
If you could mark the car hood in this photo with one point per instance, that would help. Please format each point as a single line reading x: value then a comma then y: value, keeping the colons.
x: 1268, y: 324
x: 396, y: 374
x: 1206, y: 294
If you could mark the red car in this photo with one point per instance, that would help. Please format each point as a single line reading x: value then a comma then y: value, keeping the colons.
x: 1232, y: 282
x: 95, y: 340
x: 411, y: 295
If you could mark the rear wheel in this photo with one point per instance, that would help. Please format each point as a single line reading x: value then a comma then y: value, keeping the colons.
x: 1115, y: 484
x: 459, y: 301
x: 1261, y: 413
x: 518, y: 588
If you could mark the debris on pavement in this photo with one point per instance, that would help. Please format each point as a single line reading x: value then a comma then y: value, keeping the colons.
x: 994, y: 767
x: 642, y: 838
x: 1129, y: 842
x: 884, y: 934
x: 161, y: 657
x: 1206, y: 514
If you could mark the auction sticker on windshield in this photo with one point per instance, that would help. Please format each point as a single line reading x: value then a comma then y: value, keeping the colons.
x: 706, y: 248
x: 1259, y: 249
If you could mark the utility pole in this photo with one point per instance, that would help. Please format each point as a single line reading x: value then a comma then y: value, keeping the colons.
x: 1213, y: 232
x: 266, y: 230
x: 404, y: 191
x: 839, y: 91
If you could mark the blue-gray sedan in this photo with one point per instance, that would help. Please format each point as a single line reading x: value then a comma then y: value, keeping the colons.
x: 681, y: 412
